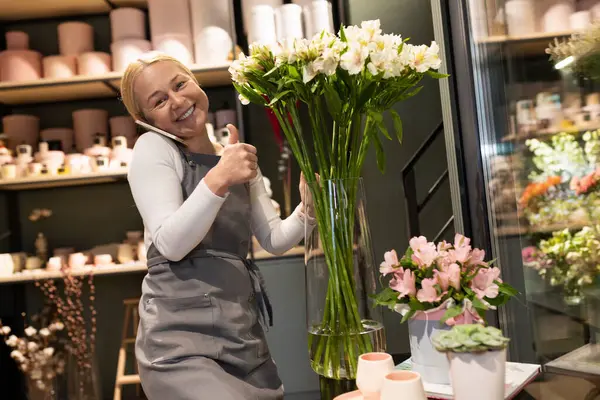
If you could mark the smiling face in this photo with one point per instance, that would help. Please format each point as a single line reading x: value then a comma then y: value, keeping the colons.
x: 171, y: 100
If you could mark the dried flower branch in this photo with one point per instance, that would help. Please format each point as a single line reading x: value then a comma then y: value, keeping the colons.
x: 584, y: 47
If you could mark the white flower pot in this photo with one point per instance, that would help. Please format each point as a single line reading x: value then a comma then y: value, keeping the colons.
x: 473, y: 374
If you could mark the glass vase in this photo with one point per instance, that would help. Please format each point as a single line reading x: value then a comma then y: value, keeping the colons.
x: 340, y: 280
x: 82, y: 377
x: 38, y: 389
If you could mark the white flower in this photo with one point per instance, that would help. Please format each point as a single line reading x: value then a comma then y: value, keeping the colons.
x: 422, y: 58
x: 370, y: 29
x: 32, y: 346
x: 49, y: 351
x: 6, y: 330
x: 17, y: 355
x: 58, y: 326
x: 30, y: 331
x: 309, y: 72
x: 40, y: 385
x: 12, y: 341
x: 353, y: 60
x: 45, y: 332
x: 36, y: 374
x: 243, y: 100
x: 328, y: 62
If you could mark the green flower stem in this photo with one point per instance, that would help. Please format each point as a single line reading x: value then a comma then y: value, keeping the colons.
x: 337, y: 350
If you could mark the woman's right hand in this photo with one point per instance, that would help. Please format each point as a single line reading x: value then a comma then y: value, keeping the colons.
x: 238, y: 164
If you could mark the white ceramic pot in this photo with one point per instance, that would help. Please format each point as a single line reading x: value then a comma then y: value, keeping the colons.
x: 426, y: 360
x: 556, y: 15
x: 472, y: 374
x: 520, y: 17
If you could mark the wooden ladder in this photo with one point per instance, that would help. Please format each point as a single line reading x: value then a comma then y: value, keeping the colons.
x: 131, y: 316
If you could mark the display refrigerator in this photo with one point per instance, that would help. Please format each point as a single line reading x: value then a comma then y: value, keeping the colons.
x: 522, y: 132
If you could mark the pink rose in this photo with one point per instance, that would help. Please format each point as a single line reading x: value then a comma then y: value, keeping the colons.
x: 462, y: 249
x: 390, y: 262
x: 404, y: 282
x: 428, y: 293
x: 424, y: 252
x: 484, y: 282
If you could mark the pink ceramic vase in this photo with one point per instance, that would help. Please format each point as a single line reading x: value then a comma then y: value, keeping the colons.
x: 21, y: 128
x: 406, y: 385
x: 169, y: 16
x: 127, y: 23
x: 20, y: 65
x: 123, y: 125
x: 17, y: 40
x: 94, y: 63
x: 75, y: 38
x: 372, y: 368
x: 88, y: 123
x: 60, y: 67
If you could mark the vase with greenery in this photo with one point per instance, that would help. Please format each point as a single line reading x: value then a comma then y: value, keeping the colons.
x: 345, y: 83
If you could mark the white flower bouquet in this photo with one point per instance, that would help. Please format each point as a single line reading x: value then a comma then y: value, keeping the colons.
x: 346, y: 82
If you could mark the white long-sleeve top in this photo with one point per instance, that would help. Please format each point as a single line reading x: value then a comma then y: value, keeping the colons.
x: 176, y: 226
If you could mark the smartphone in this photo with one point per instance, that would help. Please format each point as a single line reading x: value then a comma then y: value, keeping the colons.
x: 159, y: 131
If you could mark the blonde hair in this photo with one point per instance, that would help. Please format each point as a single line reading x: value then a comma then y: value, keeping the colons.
x: 131, y: 73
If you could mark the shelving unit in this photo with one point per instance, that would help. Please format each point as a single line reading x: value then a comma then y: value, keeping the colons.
x: 115, y: 269
x: 43, y: 182
x: 12, y: 10
x: 90, y: 87
x: 527, y: 44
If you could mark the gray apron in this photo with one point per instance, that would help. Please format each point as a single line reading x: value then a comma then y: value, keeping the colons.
x: 202, y: 319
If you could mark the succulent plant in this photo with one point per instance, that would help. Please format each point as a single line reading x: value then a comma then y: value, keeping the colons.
x: 470, y: 338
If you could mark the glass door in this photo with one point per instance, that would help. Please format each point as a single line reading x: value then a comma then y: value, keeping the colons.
x: 526, y: 110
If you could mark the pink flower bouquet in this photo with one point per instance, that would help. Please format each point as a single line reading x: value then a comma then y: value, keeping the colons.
x: 451, y: 275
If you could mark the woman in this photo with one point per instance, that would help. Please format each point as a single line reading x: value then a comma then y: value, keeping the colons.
x: 203, y: 305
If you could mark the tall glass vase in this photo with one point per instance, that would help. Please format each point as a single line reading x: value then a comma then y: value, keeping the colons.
x: 340, y: 279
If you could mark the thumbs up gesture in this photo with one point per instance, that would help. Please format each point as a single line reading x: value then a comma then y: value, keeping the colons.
x: 238, y: 164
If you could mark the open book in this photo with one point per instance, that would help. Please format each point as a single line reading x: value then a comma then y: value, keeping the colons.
x: 517, y: 377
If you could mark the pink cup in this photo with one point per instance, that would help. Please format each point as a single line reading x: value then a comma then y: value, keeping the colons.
x: 372, y: 369
x: 17, y: 40
x: 94, y: 63
x: 75, y: 38
x: 59, y: 67
x: 20, y: 65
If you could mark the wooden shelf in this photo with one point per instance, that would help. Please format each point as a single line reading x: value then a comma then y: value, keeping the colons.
x: 90, y: 87
x: 42, y: 274
x: 14, y: 10
x: 44, y: 182
x: 525, y: 229
x: 541, y: 36
x: 545, y: 134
